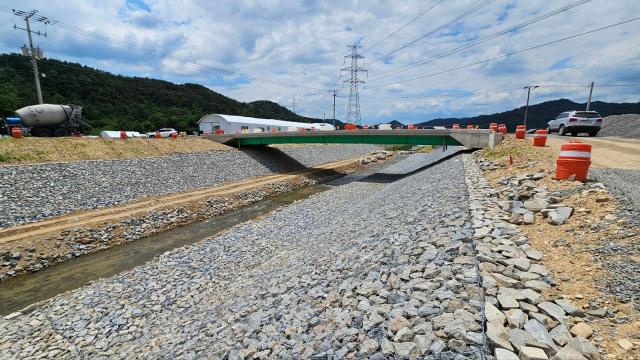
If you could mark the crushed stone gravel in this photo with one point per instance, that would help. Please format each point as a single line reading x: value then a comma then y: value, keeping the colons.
x: 364, y: 270
x: 625, y: 185
x: 34, y: 192
x: 627, y: 125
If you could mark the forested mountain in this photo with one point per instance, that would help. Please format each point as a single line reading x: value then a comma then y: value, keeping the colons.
x: 119, y: 102
x: 538, y: 114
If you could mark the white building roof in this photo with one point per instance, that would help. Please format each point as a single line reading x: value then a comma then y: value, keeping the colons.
x: 254, y: 121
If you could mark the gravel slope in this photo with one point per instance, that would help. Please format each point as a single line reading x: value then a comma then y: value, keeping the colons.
x: 627, y: 125
x: 393, y: 276
x: 625, y: 184
x: 33, y: 192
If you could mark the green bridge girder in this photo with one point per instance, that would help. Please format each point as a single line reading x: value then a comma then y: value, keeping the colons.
x: 473, y: 138
x: 391, y: 139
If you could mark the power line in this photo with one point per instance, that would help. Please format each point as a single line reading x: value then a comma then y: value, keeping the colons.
x: 509, y: 54
x: 403, y: 26
x: 460, y: 94
x: 478, y: 42
x: 453, y: 21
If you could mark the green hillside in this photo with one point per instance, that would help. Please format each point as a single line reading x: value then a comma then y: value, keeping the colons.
x: 119, y: 102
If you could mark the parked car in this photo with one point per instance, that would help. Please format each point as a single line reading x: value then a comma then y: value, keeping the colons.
x: 164, y: 132
x: 575, y: 122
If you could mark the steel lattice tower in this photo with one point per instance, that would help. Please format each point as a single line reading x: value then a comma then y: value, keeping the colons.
x: 353, y: 109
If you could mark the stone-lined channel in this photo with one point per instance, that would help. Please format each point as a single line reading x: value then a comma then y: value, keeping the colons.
x: 21, y: 291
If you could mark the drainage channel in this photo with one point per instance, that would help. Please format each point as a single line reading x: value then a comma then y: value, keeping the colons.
x: 23, y: 290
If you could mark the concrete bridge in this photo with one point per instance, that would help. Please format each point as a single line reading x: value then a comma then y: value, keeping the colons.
x: 473, y: 138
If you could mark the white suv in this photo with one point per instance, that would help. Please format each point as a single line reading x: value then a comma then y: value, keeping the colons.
x: 574, y: 122
x: 164, y: 132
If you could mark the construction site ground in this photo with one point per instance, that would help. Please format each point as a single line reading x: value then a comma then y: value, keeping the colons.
x: 38, y: 150
x: 569, y: 249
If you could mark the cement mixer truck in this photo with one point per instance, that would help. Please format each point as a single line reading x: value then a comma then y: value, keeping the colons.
x: 48, y: 120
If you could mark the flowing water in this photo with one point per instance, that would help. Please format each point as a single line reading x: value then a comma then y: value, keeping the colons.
x: 21, y: 291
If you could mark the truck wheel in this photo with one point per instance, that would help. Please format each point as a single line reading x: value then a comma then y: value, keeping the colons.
x: 61, y: 132
x: 42, y: 132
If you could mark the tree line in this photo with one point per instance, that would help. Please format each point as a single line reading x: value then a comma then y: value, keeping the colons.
x: 115, y: 102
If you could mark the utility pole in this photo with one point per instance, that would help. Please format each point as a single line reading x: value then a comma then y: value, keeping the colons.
x: 526, y: 108
x: 353, y: 109
x: 31, y: 51
x: 590, y: 93
x: 334, y: 106
x: 293, y: 105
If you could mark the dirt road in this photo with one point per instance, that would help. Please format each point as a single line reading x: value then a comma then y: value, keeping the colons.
x: 609, y: 152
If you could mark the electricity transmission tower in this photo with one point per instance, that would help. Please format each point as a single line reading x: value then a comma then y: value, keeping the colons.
x: 31, y: 51
x: 353, y: 108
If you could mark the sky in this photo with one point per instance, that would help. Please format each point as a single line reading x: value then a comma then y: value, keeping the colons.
x: 292, y: 51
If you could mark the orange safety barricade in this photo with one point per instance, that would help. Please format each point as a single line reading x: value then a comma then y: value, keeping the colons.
x: 540, y: 138
x: 16, y: 132
x: 574, y: 160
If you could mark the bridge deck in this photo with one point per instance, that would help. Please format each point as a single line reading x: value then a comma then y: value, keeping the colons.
x: 468, y: 138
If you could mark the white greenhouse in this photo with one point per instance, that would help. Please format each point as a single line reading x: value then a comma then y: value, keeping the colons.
x: 232, y: 124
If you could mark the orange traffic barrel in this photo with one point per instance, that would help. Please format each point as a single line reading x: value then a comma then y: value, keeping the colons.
x: 123, y: 135
x: 540, y: 138
x: 493, y: 127
x: 158, y: 135
x: 469, y: 126
x: 411, y: 127
x: 455, y: 127
x: 16, y: 132
x: 350, y: 127
x: 574, y: 160
x: 521, y: 132
x: 502, y: 128
x: 174, y: 135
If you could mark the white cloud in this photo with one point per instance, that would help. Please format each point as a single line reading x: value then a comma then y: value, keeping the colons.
x: 304, y: 42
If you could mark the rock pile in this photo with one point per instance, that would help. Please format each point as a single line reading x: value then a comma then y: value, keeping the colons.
x: 627, y: 125
x: 526, y: 198
x: 375, y: 156
x: 521, y: 323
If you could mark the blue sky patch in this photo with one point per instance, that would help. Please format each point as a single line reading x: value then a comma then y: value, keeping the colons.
x: 139, y: 4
